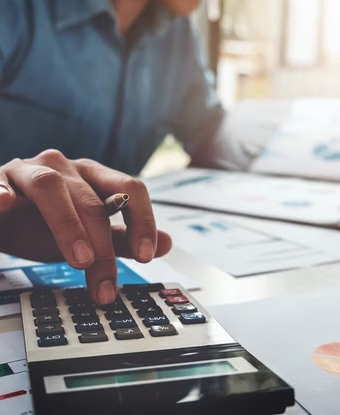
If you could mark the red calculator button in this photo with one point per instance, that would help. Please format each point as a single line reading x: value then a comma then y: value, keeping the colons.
x: 167, y: 293
x: 176, y: 299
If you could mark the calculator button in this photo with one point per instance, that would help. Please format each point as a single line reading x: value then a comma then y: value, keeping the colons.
x: 192, y: 318
x: 89, y: 326
x: 42, y: 296
x: 172, y: 291
x: 150, y: 311
x: 147, y: 287
x: 182, y: 308
x: 37, y: 303
x: 74, y: 301
x: 143, y: 303
x: 123, y: 323
x: 45, y: 310
x: 76, y: 295
x: 49, y: 329
x: 81, y: 307
x: 47, y: 318
x: 176, y: 299
x: 93, y: 336
x: 128, y: 333
x: 136, y: 295
x: 163, y: 330
x: 84, y: 317
x: 74, y: 291
x: 113, y: 306
x: 155, y: 320
x: 52, y: 340
x: 118, y: 314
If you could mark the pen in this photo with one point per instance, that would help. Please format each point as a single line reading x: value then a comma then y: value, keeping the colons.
x: 115, y: 203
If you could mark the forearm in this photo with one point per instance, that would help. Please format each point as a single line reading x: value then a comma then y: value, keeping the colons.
x: 238, y: 140
x: 221, y: 151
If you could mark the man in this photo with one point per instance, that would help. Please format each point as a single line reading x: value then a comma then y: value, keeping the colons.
x: 101, y: 80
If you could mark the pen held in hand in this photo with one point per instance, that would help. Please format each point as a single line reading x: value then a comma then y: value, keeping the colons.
x: 115, y: 203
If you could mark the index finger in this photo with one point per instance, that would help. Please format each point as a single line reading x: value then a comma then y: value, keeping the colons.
x: 138, y: 214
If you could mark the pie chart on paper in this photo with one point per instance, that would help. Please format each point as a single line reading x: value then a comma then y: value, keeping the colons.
x: 327, y: 358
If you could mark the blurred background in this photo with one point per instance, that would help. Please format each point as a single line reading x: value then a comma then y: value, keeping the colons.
x: 264, y: 50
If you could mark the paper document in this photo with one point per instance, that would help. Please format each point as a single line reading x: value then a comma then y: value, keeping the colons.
x: 288, y: 199
x: 285, y: 334
x: 244, y: 246
x: 15, y: 388
x: 307, y: 144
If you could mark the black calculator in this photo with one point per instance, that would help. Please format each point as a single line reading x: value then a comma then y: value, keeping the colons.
x: 155, y: 350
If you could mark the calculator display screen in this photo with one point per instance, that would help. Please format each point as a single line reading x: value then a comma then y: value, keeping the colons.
x: 152, y: 374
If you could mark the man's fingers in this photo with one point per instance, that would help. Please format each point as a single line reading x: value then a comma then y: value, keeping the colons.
x: 102, y: 275
x: 7, y: 195
x: 122, y: 247
x: 138, y: 215
x: 47, y: 189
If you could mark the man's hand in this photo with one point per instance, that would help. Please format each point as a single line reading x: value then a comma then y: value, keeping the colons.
x: 51, y: 209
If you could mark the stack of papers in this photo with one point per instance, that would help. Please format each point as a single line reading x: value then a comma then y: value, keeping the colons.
x: 288, y: 199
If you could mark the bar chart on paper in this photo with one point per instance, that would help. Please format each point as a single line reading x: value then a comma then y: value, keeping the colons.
x: 247, y: 246
x: 253, y: 195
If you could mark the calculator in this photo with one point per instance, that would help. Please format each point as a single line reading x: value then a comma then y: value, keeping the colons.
x: 155, y: 350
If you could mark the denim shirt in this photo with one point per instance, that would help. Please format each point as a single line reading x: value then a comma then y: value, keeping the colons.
x: 69, y: 81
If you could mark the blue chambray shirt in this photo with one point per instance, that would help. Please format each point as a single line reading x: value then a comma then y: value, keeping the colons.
x: 69, y: 81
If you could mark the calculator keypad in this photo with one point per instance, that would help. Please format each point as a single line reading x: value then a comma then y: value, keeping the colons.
x: 113, y: 321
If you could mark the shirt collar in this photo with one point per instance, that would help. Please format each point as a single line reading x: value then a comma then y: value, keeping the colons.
x: 69, y: 13
x: 162, y: 18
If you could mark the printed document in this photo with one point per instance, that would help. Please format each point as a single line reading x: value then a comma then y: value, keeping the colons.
x: 288, y: 199
x: 307, y: 144
x: 297, y: 337
x: 244, y: 246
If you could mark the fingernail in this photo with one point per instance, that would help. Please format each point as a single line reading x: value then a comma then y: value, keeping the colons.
x: 81, y: 252
x: 146, y: 249
x: 106, y: 292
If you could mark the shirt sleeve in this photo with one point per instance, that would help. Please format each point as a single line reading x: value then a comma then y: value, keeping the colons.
x: 213, y: 138
x: 199, y: 113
